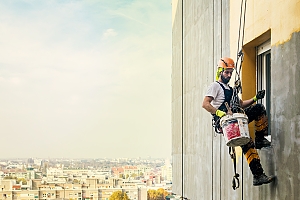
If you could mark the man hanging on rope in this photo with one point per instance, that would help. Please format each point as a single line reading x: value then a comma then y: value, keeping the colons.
x: 220, y: 92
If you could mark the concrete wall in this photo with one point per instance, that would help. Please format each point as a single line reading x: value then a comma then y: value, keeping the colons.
x: 286, y: 117
x: 204, y: 31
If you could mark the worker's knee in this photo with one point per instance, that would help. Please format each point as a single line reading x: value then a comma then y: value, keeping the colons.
x: 259, y: 106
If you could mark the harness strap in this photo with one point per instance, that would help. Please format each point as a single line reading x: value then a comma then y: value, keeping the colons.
x: 216, y: 119
x: 227, y: 95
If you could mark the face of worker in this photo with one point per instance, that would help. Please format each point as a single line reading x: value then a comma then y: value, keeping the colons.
x: 226, y: 75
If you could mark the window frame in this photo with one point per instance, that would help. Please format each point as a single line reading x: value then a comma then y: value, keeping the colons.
x: 263, y: 75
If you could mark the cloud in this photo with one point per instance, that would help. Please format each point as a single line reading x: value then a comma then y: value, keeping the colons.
x: 138, y: 21
x: 109, y: 33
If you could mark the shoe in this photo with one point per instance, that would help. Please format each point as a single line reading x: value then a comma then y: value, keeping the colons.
x: 262, y: 179
x: 260, y: 143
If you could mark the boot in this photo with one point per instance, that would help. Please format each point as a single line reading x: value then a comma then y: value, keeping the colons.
x: 262, y: 179
x: 262, y: 142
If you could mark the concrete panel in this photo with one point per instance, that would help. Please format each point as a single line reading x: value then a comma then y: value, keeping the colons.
x: 197, y: 144
x: 282, y: 159
x: 177, y: 163
x: 217, y: 139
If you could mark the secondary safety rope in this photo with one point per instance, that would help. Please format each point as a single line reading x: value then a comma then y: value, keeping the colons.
x: 221, y: 48
x: 182, y: 106
x: 236, y: 175
x: 239, y: 49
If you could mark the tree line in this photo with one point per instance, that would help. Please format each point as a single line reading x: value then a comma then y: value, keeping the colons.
x: 159, y: 194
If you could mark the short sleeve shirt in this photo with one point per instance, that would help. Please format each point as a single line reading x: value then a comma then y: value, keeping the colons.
x: 216, y: 91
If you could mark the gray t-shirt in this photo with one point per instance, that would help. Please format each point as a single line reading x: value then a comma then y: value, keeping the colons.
x: 216, y: 91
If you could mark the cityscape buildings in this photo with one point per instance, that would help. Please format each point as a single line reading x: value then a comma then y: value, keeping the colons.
x: 79, y: 179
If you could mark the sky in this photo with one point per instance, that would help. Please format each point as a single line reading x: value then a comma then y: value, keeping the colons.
x: 85, y: 79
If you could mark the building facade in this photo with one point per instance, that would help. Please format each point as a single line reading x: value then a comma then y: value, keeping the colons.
x: 203, y: 32
x: 92, y: 189
x: 72, y: 194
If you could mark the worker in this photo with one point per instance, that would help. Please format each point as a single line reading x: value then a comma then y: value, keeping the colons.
x: 220, y: 92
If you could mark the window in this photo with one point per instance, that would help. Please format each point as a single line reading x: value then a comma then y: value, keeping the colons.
x: 263, y: 74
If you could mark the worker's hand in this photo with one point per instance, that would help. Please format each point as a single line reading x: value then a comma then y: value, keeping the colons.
x: 220, y: 113
x: 259, y: 95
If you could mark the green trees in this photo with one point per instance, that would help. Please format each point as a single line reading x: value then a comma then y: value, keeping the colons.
x: 75, y: 181
x: 159, y: 194
x: 23, y: 180
x: 9, y: 177
x: 134, y: 175
x: 18, y: 180
x: 119, y: 195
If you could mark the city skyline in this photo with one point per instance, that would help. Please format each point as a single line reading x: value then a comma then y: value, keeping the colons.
x: 85, y: 79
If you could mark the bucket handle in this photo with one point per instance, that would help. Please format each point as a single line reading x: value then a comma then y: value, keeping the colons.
x: 242, y: 110
x: 229, y: 112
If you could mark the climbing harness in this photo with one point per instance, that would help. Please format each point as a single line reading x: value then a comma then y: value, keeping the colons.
x: 216, y: 126
x: 216, y: 119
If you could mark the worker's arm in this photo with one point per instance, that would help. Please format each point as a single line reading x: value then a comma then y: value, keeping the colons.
x: 207, y: 106
x: 246, y: 103
x: 259, y: 95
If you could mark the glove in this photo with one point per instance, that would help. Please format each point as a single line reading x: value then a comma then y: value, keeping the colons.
x: 220, y: 113
x: 259, y: 95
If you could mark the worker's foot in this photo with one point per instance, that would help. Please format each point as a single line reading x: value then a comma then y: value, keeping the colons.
x: 262, y: 142
x: 262, y: 179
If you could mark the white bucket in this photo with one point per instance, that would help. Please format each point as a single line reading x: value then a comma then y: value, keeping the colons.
x: 235, y: 129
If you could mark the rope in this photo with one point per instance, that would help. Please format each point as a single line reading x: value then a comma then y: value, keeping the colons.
x: 212, y: 141
x: 220, y: 145
x: 182, y: 105
x: 235, y: 179
x: 235, y: 102
x: 244, y: 22
x: 239, y: 49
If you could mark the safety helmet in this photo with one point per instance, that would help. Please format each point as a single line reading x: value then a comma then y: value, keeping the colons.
x: 226, y: 63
